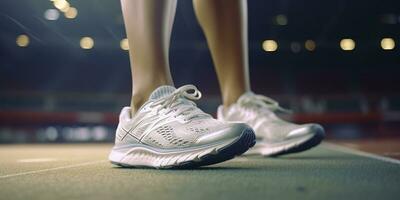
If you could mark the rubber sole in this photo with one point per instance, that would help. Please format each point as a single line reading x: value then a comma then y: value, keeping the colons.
x: 308, y: 144
x: 189, y: 159
x: 295, y: 145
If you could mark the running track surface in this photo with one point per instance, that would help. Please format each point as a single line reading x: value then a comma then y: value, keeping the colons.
x: 81, y: 171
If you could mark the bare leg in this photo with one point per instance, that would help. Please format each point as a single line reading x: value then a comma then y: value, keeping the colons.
x: 224, y: 23
x: 148, y: 26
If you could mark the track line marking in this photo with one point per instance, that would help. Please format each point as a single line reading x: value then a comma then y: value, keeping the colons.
x: 35, y: 160
x: 52, y: 169
x: 343, y: 149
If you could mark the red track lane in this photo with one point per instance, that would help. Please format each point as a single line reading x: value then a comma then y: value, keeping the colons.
x: 42, y: 117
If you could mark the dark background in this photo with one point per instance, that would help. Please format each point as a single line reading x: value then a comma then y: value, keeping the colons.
x: 53, y: 77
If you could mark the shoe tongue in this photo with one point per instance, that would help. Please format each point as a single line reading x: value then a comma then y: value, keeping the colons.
x: 245, y: 96
x: 161, y: 92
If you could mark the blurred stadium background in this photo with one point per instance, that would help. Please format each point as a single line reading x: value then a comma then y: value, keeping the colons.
x: 64, y: 67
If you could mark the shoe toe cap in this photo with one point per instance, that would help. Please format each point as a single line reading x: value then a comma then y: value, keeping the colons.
x: 234, y: 130
x: 307, y: 129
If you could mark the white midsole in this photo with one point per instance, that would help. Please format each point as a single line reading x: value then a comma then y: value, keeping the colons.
x: 142, y: 156
x: 265, y: 148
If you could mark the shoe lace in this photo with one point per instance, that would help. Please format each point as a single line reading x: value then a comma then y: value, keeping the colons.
x: 180, y: 102
x: 263, y: 102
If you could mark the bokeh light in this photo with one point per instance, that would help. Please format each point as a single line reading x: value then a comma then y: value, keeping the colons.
x: 347, y: 44
x: 22, y: 40
x: 270, y: 45
x: 51, y: 14
x: 388, y: 43
x: 61, y: 4
x: 281, y: 20
x: 87, y: 43
x: 310, y: 45
x: 124, y: 44
x: 71, y: 13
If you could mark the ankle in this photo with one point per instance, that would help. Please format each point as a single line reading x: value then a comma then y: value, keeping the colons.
x: 141, y: 95
x: 228, y: 103
x: 231, y: 97
x: 136, y: 102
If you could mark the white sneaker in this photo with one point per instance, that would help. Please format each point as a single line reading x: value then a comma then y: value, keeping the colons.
x: 274, y: 135
x: 169, y: 131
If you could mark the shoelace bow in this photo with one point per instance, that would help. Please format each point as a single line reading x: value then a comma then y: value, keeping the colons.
x: 264, y: 102
x: 175, y: 102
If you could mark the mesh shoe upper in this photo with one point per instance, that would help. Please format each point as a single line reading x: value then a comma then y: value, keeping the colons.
x: 175, y: 134
x: 169, y: 119
x: 259, y: 112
